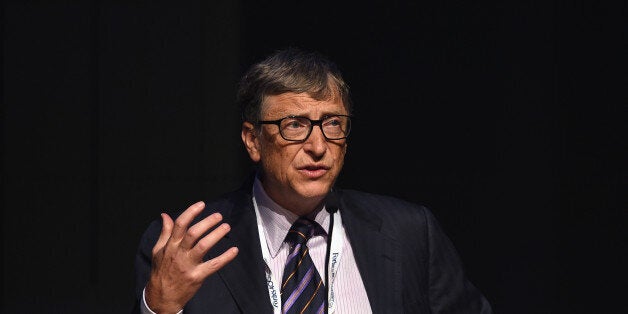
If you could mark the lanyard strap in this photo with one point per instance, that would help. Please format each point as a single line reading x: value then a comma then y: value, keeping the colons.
x: 337, y: 242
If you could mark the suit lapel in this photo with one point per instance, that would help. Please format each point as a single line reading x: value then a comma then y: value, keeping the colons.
x: 377, y: 256
x: 245, y: 275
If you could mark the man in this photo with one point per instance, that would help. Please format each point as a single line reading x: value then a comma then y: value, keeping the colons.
x: 358, y: 252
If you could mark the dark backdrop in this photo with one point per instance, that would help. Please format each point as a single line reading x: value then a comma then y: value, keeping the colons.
x: 509, y: 123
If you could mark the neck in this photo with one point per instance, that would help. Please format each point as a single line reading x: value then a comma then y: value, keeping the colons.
x: 301, y: 207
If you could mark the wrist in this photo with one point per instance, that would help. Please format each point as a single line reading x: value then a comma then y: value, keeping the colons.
x: 157, y: 301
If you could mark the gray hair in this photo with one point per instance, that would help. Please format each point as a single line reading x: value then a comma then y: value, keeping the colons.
x: 290, y: 70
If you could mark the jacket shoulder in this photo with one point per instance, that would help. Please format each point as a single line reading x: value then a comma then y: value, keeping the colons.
x: 377, y: 203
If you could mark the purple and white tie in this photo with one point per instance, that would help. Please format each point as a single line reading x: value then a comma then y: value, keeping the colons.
x: 302, y: 289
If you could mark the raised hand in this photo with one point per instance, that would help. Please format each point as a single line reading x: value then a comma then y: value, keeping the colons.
x: 178, y: 268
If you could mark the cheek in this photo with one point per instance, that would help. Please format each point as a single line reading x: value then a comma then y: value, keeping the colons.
x: 340, y: 154
x: 278, y: 158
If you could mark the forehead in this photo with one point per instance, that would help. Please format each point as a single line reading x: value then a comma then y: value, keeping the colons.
x: 300, y: 104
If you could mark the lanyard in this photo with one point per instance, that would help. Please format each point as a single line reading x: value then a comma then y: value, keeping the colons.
x: 334, y: 260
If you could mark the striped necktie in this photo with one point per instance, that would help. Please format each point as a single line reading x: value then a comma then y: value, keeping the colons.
x: 302, y: 289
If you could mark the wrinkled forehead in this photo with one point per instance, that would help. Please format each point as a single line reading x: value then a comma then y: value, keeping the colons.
x: 290, y: 103
x: 328, y: 94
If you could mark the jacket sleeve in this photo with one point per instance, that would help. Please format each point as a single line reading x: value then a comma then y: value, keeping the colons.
x: 450, y: 291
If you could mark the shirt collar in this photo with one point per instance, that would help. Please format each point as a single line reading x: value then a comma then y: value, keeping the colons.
x: 277, y: 220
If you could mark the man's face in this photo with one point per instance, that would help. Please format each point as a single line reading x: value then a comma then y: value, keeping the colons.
x: 296, y: 175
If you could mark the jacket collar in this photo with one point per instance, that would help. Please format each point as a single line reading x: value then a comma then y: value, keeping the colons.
x: 245, y: 276
x: 377, y: 255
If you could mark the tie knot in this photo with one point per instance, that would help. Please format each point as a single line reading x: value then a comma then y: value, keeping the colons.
x: 301, y: 231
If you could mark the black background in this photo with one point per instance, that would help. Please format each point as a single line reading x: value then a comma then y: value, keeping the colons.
x: 509, y: 123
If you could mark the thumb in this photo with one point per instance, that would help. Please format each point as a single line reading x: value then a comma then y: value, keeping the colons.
x: 166, y: 230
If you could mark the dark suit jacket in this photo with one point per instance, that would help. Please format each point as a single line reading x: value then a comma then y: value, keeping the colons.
x: 407, y: 263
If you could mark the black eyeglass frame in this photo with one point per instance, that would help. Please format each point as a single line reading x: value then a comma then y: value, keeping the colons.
x: 318, y: 122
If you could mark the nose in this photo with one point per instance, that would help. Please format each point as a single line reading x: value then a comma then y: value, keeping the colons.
x: 316, y: 143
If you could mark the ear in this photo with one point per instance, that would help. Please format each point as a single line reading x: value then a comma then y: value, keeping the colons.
x: 250, y: 140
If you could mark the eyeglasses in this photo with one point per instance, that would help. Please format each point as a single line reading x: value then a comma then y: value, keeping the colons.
x: 294, y: 128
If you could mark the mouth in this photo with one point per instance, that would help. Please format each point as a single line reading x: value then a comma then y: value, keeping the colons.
x: 314, y: 172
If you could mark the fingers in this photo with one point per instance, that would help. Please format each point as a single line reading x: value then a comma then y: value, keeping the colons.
x: 204, y: 244
x: 200, y: 228
x: 184, y: 220
x: 166, y: 231
x: 193, y: 239
x: 211, y: 266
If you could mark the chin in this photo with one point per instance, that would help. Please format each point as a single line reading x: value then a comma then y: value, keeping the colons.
x: 313, y: 190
